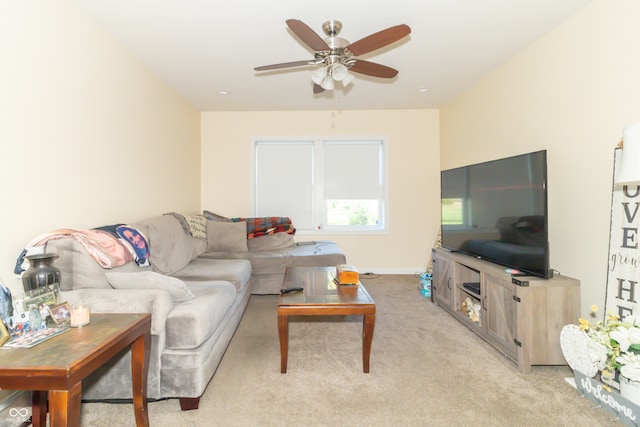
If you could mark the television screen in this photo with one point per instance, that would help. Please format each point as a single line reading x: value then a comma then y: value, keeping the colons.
x: 497, y: 211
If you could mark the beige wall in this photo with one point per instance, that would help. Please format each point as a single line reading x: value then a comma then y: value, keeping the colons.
x: 572, y: 93
x: 413, y: 147
x: 88, y: 136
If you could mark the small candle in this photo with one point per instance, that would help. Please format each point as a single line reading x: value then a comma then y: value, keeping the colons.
x: 80, y: 314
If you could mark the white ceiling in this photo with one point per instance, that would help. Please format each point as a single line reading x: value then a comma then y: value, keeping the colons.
x: 200, y: 47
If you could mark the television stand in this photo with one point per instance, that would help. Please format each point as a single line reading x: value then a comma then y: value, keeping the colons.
x: 521, y: 321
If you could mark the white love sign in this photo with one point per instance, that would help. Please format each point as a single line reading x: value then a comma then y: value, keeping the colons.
x: 622, y: 296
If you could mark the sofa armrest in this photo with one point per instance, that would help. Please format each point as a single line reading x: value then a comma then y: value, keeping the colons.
x: 156, y: 302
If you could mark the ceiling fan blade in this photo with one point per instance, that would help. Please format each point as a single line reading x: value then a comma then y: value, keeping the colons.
x: 284, y: 65
x: 373, y: 69
x: 379, y: 39
x: 317, y: 88
x: 307, y: 35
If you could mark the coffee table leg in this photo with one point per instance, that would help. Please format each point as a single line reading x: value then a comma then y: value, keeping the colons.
x: 139, y: 371
x: 283, y: 330
x: 367, y: 336
x: 64, y: 406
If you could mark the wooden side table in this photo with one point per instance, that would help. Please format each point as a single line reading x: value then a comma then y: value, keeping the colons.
x: 54, y: 369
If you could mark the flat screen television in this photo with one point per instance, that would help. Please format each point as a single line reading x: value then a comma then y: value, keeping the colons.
x: 497, y: 211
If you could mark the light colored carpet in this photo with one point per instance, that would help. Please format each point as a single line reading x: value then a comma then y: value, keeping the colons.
x: 427, y: 369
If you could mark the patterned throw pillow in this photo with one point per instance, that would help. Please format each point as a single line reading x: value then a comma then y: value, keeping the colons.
x: 197, y: 226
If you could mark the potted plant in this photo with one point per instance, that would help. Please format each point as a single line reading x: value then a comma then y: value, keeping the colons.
x: 614, y: 348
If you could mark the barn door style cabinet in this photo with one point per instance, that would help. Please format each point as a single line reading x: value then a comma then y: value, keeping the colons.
x: 521, y: 316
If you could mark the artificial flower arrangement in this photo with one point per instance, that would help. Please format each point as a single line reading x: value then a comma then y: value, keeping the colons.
x: 614, y: 346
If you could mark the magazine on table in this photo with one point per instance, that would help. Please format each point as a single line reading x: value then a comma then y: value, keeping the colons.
x: 38, y: 317
x: 29, y: 328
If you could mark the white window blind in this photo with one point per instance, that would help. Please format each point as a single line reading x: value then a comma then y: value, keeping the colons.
x: 284, y: 181
x: 353, y: 170
x: 321, y: 184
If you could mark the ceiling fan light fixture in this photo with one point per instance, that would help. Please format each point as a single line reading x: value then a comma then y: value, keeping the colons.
x: 327, y: 83
x: 347, y: 79
x: 339, y: 71
x: 318, y: 76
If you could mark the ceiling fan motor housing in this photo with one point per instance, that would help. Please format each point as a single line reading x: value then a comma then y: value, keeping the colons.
x: 337, y: 45
x: 332, y: 27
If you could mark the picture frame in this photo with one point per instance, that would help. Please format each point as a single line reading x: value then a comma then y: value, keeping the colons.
x: 48, y: 298
x: 4, y: 333
x: 37, y: 297
x: 60, y: 313
x: 18, y: 325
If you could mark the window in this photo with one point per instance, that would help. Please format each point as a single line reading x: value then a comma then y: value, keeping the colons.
x: 330, y: 185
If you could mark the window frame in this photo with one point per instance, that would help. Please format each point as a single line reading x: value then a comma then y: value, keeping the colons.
x: 319, y: 210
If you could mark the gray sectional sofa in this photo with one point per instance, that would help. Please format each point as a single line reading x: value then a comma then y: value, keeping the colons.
x: 196, y: 289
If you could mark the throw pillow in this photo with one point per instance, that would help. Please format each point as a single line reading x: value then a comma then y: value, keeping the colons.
x: 197, y: 226
x: 215, y: 217
x: 226, y: 236
x: 151, y: 280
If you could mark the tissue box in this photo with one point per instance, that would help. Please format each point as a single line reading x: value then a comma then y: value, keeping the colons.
x: 347, y: 274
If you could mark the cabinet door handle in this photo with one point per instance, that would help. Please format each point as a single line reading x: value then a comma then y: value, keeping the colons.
x: 484, y: 303
x: 449, y: 282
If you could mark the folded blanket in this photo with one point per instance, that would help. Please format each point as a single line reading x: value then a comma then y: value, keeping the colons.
x: 137, y: 243
x: 264, y: 226
x: 193, y: 225
x: 107, y: 250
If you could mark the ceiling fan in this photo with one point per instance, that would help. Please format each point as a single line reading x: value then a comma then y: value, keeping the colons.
x: 336, y: 56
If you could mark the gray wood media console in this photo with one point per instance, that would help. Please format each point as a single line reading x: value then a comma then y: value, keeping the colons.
x: 521, y: 316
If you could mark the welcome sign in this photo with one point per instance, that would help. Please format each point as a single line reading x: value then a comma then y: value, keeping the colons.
x: 623, y: 295
x: 609, y: 400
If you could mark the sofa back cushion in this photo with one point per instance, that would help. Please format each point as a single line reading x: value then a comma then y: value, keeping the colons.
x: 79, y: 270
x: 226, y: 236
x: 170, y: 248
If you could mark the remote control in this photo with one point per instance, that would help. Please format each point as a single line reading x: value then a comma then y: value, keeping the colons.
x: 287, y: 290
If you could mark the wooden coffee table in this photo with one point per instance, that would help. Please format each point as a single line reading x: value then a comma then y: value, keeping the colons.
x: 54, y: 369
x: 322, y: 297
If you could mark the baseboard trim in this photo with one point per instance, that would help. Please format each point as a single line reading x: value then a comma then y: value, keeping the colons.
x: 415, y: 270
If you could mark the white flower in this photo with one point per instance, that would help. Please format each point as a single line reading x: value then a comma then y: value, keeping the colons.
x: 621, y: 335
x: 598, y: 354
x: 630, y: 366
x: 634, y: 335
x: 632, y: 320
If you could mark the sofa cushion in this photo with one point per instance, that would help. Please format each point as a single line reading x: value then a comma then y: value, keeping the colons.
x: 226, y: 236
x: 236, y: 271
x: 79, y: 270
x: 271, y: 241
x: 190, y: 323
x: 318, y: 254
x: 176, y: 288
x: 171, y: 249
